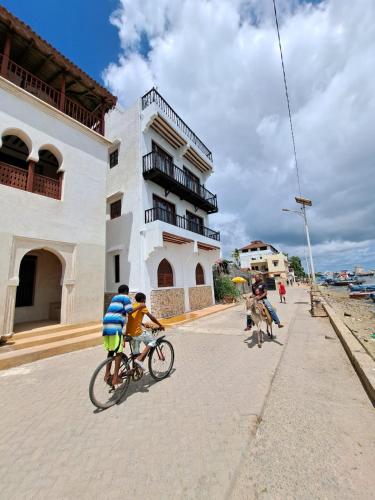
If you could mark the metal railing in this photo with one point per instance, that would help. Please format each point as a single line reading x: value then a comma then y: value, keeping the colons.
x: 32, y: 84
x: 154, y: 96
x: 156, y: 213
x: 158, y: 161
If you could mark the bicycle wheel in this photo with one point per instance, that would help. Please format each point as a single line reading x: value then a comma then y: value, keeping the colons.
x: 103, y: 395
x: 160, y: 362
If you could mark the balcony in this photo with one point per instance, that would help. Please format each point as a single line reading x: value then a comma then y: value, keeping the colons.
x: 32, y: 84
x: 154, y: 214
x: 27, y: 180
x: 153, y: 96
x: 161, y: 170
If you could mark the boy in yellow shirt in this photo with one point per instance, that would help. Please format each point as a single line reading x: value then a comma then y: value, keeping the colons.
x: 134, y: 329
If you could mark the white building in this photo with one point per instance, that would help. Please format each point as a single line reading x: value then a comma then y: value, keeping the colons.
x: 264, y: 257
x: 157, y: 236
x: 53, y: 165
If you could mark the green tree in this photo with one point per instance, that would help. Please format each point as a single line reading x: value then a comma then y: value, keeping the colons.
x: 296, y: 264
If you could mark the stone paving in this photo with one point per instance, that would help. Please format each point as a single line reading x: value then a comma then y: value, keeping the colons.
x: 188, y: 436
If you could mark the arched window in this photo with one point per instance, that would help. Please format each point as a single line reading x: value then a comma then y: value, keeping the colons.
x: 14, y: 151
x: 199, y: 275
x: 47, y: 164
x: 165, y: 274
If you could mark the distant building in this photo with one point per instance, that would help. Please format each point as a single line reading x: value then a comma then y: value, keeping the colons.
x: 264, y: 257
x: 158, y: 239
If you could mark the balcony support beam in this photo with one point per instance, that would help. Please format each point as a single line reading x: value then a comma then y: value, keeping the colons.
x: 30, y: 176
x: 6, y: 55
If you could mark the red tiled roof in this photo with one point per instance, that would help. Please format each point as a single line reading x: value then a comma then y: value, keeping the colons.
x: 257, y: 244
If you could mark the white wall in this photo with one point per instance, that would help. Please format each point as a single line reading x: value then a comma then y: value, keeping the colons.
x: 77, y: 219
x: 128, y: 235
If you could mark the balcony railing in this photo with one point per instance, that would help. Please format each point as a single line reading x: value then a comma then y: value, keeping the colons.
x: 32, y: 84
x: 156, y: 213
x: 154, y: 96
x: 19, y: 178
x: 160, y: 169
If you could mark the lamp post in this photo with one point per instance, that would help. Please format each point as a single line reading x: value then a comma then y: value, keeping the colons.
x: 305, y: 202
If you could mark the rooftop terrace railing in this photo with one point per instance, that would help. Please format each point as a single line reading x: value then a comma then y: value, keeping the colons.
x: 32, y: 84
x: 154, y: 96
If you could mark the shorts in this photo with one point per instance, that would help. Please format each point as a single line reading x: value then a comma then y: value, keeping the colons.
x: 110, y: 343
x: 145, y: 337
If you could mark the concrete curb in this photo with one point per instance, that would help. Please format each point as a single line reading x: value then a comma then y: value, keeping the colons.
x: 193, y: 316
x: 362, y: 362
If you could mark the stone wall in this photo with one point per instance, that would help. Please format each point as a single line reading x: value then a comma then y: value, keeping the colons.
x: 167, y: 302
x: 200, y: 297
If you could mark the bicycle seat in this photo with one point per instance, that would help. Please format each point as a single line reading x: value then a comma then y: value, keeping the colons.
x: 128, y: 338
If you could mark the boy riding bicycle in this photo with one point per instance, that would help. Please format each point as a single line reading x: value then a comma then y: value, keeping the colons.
x: 134, y: 329
x: 113, y: 324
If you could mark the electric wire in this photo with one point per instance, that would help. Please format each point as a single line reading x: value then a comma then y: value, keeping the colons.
x: 287, y: 98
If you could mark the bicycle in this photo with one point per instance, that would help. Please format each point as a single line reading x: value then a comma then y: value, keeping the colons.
x: 103, y: 394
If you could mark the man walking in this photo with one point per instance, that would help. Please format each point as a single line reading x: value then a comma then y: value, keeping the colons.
x: 261, y: 288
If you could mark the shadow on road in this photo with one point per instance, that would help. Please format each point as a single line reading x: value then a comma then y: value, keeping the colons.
x: 142, y: 385
x: 252, y: 340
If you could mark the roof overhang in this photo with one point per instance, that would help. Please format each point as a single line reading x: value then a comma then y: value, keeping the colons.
x: 173, y: 238
x: 204, y: 246
x: 163, y: 128
x: 197, y: 160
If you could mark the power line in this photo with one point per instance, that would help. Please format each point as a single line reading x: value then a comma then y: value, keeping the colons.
x: 287, y: 98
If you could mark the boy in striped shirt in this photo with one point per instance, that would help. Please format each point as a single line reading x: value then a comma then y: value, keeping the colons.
x: 113, y: 324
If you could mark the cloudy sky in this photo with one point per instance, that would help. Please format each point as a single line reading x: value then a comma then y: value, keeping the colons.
x: 217, y: 62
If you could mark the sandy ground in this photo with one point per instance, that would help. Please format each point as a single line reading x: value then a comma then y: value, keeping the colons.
x: 358, y: 315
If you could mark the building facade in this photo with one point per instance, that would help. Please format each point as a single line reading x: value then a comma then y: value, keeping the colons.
x: 158, y: 239
x: 53, y: 166
x: 265, y: 258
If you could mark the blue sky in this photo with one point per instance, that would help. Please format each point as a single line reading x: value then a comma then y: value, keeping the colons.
x: 329, y: 51
x: 80, y: 29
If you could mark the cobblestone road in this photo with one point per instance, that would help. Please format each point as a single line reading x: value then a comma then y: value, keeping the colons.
x: 184, y: 437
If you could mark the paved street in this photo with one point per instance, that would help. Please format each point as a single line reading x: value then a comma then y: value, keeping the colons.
x: 290, y: 420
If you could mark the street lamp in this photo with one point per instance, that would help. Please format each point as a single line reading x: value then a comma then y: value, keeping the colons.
x: 305, y: 202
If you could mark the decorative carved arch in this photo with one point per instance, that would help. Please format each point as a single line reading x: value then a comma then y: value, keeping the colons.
x: 165, y: 274
x: 199, y: 275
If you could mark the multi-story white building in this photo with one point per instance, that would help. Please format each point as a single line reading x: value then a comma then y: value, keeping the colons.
x: 53, y: 166
x: 263, y: 257
x: 157, y: 236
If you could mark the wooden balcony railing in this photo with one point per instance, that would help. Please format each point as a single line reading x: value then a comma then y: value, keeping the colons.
x: 47, y: 186
x: 13, y: 176
x: 156, y: 213
x: 182, y: 183
x: 21, y: 178
x: 154, y: 96
x: 32, y: 84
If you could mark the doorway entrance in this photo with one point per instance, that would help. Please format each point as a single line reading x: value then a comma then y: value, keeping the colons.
x: 38, y: 297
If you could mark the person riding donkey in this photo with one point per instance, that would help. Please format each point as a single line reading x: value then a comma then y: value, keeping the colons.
x: 260, y: 292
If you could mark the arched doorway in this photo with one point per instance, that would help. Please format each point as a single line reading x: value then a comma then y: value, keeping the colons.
x: 38, y: 296
x: 165, y: 274
x: 199, y: 275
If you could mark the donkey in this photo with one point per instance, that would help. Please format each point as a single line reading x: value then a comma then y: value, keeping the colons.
x: 259, y: 313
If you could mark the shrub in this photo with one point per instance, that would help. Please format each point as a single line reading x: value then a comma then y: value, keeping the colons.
x: 225, y: 288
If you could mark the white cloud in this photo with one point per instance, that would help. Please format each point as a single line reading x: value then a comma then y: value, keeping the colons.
x: 217, y: 63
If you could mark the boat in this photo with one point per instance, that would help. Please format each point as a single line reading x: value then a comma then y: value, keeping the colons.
x: 361, y: 295
x: 372, y: 296
x: 343, y: 282
x: 362, y: 288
